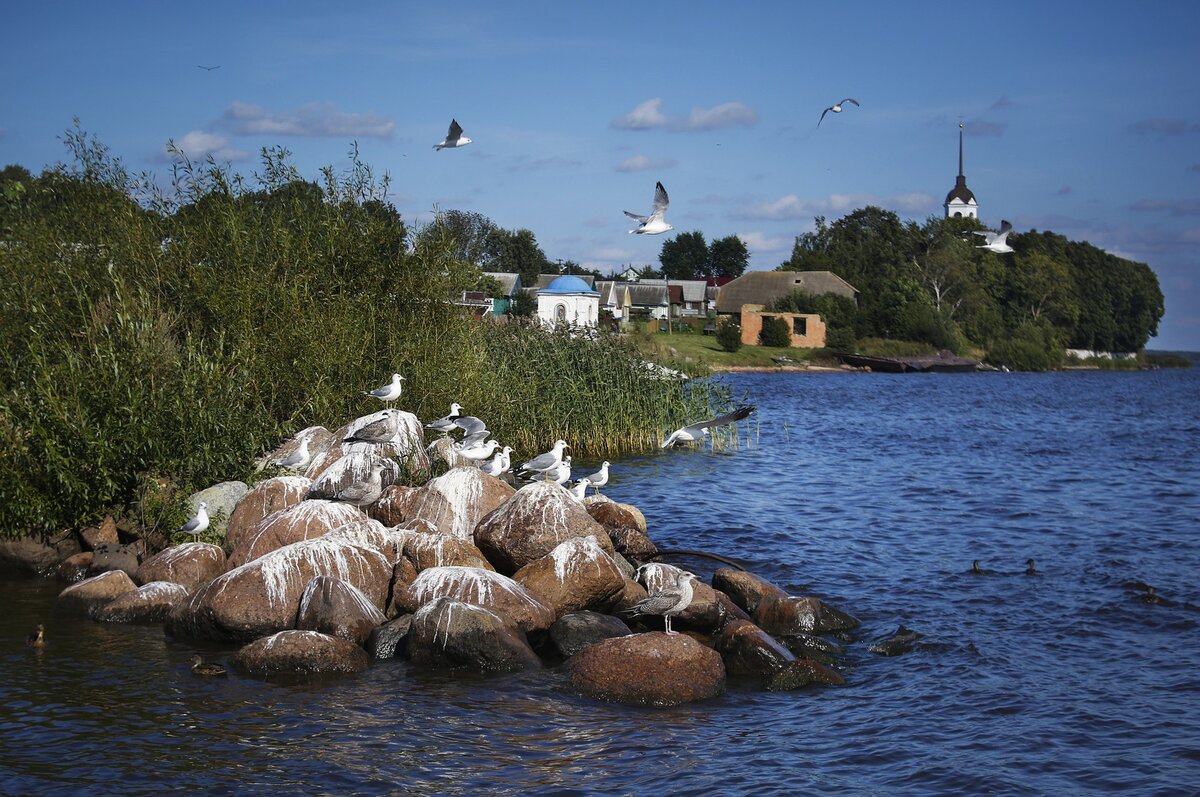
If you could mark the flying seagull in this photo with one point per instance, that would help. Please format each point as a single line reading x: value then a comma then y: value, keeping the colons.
x: 197, y: 523
x: 837, y: 108
x: 997, y: 241
x: 389, y: 392
x: 653, y: 224
x: 454, y: 137
x: 667, y: 602
x: 697, y: 431
x: 208, y: 68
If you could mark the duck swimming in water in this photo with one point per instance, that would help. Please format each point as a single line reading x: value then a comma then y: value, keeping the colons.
x: 37, y: 637
x: 1031, y: 570
x: 199, y: 667
x: 977, y: 570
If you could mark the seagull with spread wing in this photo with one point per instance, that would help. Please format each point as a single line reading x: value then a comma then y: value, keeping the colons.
x: 653, y: 224
x: 837, y: 108
x: 454, y: 137
x: 996, y: 241
x: 698, y: 431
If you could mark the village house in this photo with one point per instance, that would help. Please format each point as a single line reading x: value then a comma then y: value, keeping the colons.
x: 568, y: 300
x: 745, y: 299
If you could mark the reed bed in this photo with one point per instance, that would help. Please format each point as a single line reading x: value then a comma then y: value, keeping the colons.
x: 156, y: 342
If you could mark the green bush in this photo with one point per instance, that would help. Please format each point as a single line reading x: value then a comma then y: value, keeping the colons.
x: 1031, y: 347
x: 840, y: 339
x: 729, y: 336
x: 151, y: 348
x: 776, y: 332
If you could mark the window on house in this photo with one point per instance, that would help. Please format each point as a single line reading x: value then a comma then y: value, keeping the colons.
x: 800, y: 325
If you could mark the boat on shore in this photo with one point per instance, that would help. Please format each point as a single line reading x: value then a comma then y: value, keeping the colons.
x: 942, y: 362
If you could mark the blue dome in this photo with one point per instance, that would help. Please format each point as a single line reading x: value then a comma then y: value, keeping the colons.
x: 567, y: 284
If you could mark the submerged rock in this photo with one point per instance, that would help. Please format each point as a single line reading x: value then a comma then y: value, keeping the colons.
x: 301, y: 652
x: 897, y: 644
x: 535, y: 520
x: 447, y: 632
x: 149, y: 603
x: 748, y: 650
x: 653, y: 669
x: 87, y: 596
x: 190, y: 564
x: 803, y: 672
x: 745, y: 589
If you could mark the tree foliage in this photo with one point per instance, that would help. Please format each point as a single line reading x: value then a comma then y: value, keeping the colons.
x: 729, y: 257
x: 685, y: 257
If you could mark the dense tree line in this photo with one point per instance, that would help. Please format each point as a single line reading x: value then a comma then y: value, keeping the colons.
x: 931, y: 283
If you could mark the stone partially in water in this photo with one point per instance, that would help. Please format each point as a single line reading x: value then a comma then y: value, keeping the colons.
x: 486, y: 588
x: 149, y: 603
x: 748, y: 650
x: 745, y: 589
x: 803, y: 672
x: 573, y: 632
x: 447, y: 632
x: 87, y: 596
x: 796, y: 615
x: 306, y: 652
x: 74, y: 567
x: 333, y: 607
x: 388, y: 640
x: 897, y: 644
x: 653, y: 669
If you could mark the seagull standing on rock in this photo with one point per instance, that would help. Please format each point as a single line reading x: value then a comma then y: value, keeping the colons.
x: 446, y: 422
x: 580, y: 489
x: 667, y: 602
x: 654, y: 223
x: 299, y: 458
x: 454, y: 137
x: 389, y: 392
x: 478, y: 452
x: 197, y: 524
x: 365, y: 492
x: 499, y: 464
x: 380, y: 427
x: 837, y: 108
x: 600, y: 477
x: 544, y: 462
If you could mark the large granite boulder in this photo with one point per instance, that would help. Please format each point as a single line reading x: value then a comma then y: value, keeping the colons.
x: 114, y: 556
x: 617, y: 516
x: 576, y: 575
x: 39, y: 554
x: 263, y: 596
x: 653, y: 669
x: 486, y: 588
x: 370, y: 533
x: 220, y: 501
x: 102, y: 533
x: 319, y: 441
x: 573, y: 632
x: 532, y: 523
x: 86, y: 597
x: 190, y: 564
x: 405, y: 446
x: 455, y: 501
x: 438, y: 550
x: 333, y: 607
x: 355, y: 467
x: 389, y: 640
x: 800, y: 615
x: 149, y: 603
x: 750, y: 651
x: 307, y: 652
x: 448, y: 632
x: 633, y: 544
x: 74, y: 567
x: 305, y: 521
x: 746, y: 589
x: 392, y: 505
x: 265, y: 498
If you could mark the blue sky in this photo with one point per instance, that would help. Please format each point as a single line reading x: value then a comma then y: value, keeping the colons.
x: 1087, y: 123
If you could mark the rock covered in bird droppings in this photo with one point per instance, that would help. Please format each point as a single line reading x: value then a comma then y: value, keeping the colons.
x: 479, y: 587
x: 304, y: 521
x: 576, y: 575
x: 85, y: 597
x: 301, y: 652
x: 333, y: 607
x: 450, y: 633
x: 265, y: 498
x: 149, y: 603
x: 535, y: 520
x: 190, y: 564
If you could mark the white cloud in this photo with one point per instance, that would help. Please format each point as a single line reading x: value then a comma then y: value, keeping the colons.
x: 646, y: 116
x: 649, y: 116
x: 313, y: 120
x: 640, y: 163
x: 760, y: 243
x: 198, y: 145
x: 792, y: 207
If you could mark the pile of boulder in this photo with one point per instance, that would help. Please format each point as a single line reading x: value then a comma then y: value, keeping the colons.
x: 463, y: 571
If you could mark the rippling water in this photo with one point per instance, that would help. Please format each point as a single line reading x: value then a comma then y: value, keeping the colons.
x: 874, y: 492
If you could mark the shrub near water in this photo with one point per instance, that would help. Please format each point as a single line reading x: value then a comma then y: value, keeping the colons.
x: 153, y: 348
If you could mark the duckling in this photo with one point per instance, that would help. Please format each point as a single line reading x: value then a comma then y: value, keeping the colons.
x: 199, y: 667
x: 1031, y: 570
x: 37, y: 637
x: 977, y: 570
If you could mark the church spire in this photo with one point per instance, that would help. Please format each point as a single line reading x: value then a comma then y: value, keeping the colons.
x: 961, y: 176
x: 960, y: 201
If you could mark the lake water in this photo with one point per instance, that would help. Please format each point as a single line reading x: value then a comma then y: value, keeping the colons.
x: 874, y: 492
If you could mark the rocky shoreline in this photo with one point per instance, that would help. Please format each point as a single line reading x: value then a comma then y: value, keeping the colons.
x: 464, y: 571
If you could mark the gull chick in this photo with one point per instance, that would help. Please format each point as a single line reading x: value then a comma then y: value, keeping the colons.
x: 454, y: 137
x: 653, y: 224
x: 837, y: 108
